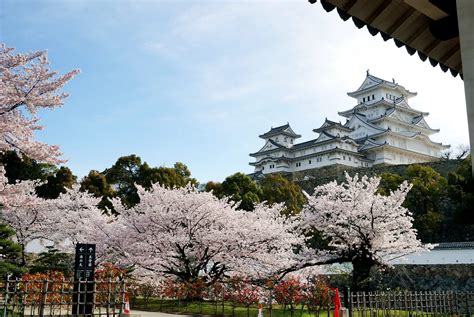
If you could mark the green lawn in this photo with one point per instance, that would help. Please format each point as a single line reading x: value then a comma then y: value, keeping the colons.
x: 9, y: 313
x: 212, y: 308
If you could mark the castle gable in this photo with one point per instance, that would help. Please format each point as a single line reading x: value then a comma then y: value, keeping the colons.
x: 360, y: 124
x: 324, y: 136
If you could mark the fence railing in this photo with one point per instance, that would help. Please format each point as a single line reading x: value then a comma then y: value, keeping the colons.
x: 355, y: 304
x: 56, y: 298
x: 61, y: 298
x: 375, y: 304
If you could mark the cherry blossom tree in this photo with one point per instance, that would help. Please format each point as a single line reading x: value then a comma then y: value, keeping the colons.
x: 362, y: 227
x: 194, y: 235
x: 76, y: 218
x: 71, y: 218
x: 26, y: 85
x: 22, y: 210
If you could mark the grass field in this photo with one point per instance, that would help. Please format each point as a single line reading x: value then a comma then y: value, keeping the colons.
x: 217, y: 309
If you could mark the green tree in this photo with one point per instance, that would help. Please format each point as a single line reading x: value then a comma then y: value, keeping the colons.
x: 10, y: 252
x: 56, y: 184
x: 277, y: 189
x: 56, y: 180
x: 52, y: 260
x: 24, y: 168
x: 215, y: 187
x: 461, y: 194
x: 389, y: 182
x: 169, y: 177
x: 425, y: 201
x: 124, y: 174
x: 96, y: 184
x: 129, y: 170
x: 241, y: 188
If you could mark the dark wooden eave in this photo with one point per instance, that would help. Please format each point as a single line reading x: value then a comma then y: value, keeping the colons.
x: 426, y: 27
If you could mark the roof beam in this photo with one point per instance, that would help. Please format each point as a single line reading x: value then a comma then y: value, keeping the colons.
x: 416, y: 34
x: 402, y: 19
x: 349, y: 5
x: 449, y: 53
x: 381, y: 8
x: 431, y: 46
x: 427, y: 8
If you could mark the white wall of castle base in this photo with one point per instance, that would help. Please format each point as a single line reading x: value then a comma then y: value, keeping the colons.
x: 455, y: 256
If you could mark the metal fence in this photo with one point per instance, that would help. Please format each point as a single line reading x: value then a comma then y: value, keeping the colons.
x: 381, y: 304
x: 61, y: 298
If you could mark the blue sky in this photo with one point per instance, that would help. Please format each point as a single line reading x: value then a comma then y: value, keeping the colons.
x: 198, y: 81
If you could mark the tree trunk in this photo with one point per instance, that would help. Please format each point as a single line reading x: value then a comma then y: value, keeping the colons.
x: 23, y: 255
x: 362, y: 264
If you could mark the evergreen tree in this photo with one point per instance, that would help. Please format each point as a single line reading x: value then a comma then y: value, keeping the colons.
x: 53, y: 260
x: 278, y: 189
x: 96, y: 184
x: 10, y: 252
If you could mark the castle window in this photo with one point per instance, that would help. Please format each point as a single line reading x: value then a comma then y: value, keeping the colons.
x: 272, y: 165
x: 373, y: 97
x: 343, y: 157
x: 309, y: 161
x: 298, y: 164
x: 363, y: 99
x: 350, y: 158
x: 285, y: 139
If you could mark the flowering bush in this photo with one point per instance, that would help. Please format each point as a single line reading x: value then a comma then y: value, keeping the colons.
x: 109, y: 271
x: 50, y: 287
x: 317, y: 293
x: 240, y: 291
x: 106, y: 286
x: 289, y: 292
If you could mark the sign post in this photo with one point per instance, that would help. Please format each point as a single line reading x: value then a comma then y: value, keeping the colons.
x: 84, y: 266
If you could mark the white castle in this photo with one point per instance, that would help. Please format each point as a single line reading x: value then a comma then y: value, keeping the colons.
x: 381, y: 129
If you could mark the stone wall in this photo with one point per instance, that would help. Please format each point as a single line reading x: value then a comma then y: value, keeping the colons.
x: 454, y: 277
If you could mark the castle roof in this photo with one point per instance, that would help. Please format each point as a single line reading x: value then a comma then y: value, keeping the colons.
x: 405, y: 134
x: 361, y: 118
x: 262, y: 150
x: 302, y: 145
x: 417, y: 122
x: 271, y: 159
x: 429, y: 28
x: 399, y: 103
x: 328, y: 124
x: 299, y: 158
x: 454, y: 245
x: 281, y: 130
x: 368, y: 143
x: 371, y: 82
